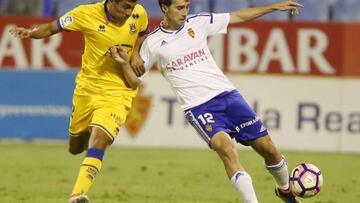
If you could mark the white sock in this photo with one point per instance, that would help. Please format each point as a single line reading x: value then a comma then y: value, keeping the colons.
x: 280, y: 173
x: 243, y: 184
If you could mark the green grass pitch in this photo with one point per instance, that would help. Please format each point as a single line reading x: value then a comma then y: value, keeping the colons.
x: 39, y: 173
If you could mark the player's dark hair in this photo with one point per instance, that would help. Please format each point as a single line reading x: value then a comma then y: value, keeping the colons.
x: 164, y: 2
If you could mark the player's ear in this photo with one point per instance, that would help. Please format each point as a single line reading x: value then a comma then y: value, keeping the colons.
x: 164, y: 8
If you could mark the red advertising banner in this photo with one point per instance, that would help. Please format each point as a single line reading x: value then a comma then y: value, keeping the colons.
x: 291, y: 48
x: 61, y: 51
x: 284, y: 48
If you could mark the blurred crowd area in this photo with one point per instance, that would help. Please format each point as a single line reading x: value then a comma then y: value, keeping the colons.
x: 315, y: 10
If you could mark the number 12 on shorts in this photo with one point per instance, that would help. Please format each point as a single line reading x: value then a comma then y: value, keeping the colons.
x: 206, y: 118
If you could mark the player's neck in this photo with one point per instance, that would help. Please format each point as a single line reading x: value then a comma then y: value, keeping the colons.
x: 169, y: 26
x: 113, y: 18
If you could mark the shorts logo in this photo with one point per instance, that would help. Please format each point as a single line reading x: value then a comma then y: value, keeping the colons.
x: 66, y: 21
x: 133, y: 28
x: 262, y: 129
x: 208, y: 127
x: 246, y: 124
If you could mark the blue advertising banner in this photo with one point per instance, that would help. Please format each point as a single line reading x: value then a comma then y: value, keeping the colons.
x: 35, y: 104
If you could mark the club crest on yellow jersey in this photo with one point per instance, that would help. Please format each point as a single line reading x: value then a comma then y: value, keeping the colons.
x: 133, y: 28
x: 191, y: 32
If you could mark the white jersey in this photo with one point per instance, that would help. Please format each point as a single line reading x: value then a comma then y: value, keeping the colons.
x: 184, y: 59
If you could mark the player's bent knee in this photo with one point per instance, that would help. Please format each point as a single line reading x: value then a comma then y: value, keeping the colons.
x: 75, y: 151
x: 78, y: 144
x: 221, y: 141
x: 99, y: 139
x: 223, y: 146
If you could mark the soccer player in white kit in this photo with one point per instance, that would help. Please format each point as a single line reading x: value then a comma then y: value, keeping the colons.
x: 211, y: 103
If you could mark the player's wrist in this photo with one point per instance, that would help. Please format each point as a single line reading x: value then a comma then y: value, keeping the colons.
x: 32, y: 32
x: 123, y: 62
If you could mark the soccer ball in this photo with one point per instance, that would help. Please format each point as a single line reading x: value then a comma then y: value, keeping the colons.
x: 305, y: 180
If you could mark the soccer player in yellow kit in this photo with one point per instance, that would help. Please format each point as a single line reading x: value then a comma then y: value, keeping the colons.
x: 103, y: 96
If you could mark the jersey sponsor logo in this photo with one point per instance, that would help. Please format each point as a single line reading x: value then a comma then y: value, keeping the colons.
x: 65, y: 21
x: 127, y: 47
x: 133, y: 28
x: 187, y: 60
x: 191, y: 32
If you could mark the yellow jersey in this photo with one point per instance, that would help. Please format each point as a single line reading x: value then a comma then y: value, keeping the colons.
x: 99, y: 73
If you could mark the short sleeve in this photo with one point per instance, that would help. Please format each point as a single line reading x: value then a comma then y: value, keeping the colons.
x: 143, y: 19
x: 218, y: 23
x: 147, y: 56
x: 72, y: 20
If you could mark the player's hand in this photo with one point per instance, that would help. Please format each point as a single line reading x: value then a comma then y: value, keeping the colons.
x: 289, y: 6
x: 119, y: 54
x: 22, y: 33
x: 137, y: 64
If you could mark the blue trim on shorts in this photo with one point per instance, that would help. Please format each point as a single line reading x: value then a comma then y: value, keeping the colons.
x: 196, y: 125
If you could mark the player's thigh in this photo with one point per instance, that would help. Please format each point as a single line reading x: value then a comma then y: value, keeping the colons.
x: 222, y: 142
x: 243, y: 121
x: 80, y: 118
x: 108, y: 117
x: 207, y: 119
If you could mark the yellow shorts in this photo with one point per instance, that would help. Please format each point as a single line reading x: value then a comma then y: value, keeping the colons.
x: 105, y: 112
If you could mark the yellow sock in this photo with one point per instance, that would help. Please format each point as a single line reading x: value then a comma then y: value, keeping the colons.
x: 89, y: 168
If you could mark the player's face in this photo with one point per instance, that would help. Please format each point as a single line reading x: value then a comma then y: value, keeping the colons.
x: 176, y: 13
x: 121, y: 10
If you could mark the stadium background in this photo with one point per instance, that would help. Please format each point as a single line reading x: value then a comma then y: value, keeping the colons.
x: 300, y: 74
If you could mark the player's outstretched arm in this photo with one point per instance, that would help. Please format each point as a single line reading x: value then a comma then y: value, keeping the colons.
x: 119, y: 55
x: 252, y: 13
x: 136, y: 62
x: 37, y: 31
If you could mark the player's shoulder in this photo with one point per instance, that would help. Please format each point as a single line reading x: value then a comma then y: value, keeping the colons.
x: 199, y: 17
x: 155, y: 32
x: 88, y: 8
x: 155, y: 37
x: 139, y: 9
